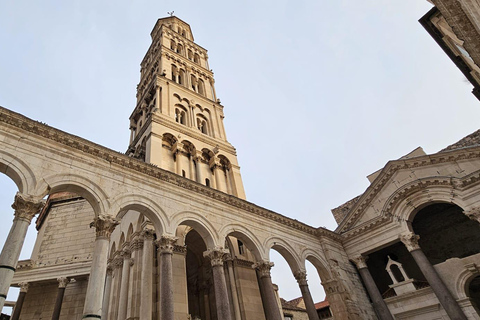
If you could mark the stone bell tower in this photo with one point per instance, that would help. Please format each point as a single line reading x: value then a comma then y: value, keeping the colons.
x: 177, y: 123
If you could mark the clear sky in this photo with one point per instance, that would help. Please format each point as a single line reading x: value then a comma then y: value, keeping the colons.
x: 317, y: 94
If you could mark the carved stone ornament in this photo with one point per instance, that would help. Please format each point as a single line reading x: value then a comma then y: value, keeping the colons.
x: 215, y: 256
x: 148, y: 234
x: 360, y: 261
x: 166, y: 244
x: 104, y: 226
x: 263, y: 268
x: 301, y: 277
x: 473, y: 213
x: 126, y: 253
x: 109, y: 270
x: 410, y: 240
x: 62, y: 282
x: 24, y: 286
x: 26, y: 207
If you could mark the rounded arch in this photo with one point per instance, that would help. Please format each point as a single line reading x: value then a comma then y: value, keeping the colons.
x: 405, y: 202
x: 121, y: 241
x: 319, y: 263
x: 246, y: 236
x: 143, y: 205
x: 286, y: 251
x: 84, y: 187
x: 200, y: 224
x: 18, y: 171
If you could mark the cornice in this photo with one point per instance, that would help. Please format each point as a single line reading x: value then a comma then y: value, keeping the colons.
x: 404, y: 164
x: 8, y: 117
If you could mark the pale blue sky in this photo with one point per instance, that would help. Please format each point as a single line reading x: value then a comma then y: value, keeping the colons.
x: 317, y: 94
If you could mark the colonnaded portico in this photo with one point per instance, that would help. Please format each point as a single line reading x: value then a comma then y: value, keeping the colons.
x: 42, y: 160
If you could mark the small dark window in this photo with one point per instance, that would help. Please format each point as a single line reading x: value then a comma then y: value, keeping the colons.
x: 207, y: 182
x: 241, y: 247
x: 183, y: 173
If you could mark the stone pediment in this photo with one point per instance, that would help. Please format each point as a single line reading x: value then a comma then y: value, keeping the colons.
x: 399, y: 178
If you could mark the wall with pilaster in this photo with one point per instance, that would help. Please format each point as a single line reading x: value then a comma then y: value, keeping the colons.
x: 248, y: 291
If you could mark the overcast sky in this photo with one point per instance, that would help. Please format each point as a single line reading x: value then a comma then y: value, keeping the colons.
x: 317, y: 94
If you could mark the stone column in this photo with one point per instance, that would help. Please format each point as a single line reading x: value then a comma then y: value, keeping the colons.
x: 104, y: 226
x: 108, y: 291
x: 233, y: 285
x: 265, y: 280
x: 219, y: 282
x: 301, y: 277
x: 378, y: 303
x: 438, y: 286
x: 165, y: 245
x: 62, y: 284
x: 25, y: 208
x: 20, y: 300
x: 198, y: 161
x: 134, y: 293
x: 123, y: 300
x: 147, y: 276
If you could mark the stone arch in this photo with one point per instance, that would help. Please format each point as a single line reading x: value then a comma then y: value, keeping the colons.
x: 246, y: 236
x: 405, y: 202
x: 121, y: 241
x: 200, y: 224
x: 463, y: 280
x: 141, y: 219
x: 286, y: 251
x: 319, y: 263
x: 112, y: 250
x: 84, y: 187
x: 130, y: 232
x: 145, y: 206
x: 18, y: 171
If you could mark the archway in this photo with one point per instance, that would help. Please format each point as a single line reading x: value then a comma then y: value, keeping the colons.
x: 474, y: 293
x: 445, y: 232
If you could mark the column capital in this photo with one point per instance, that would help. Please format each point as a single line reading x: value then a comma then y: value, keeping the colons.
x: 62, y: 282
x: 117, y: 262
x: 473, y: 213
x: 410, y: 240
x: 24, y: 286
x: 301, y: 277
x: 166, y: 244
x: 136, y: 244
x: 109, y: 270
x: 26, y: 206
x: 263, y: 267
x: 360, y: 261
x: 148, y: 234
x: 104, y: 226
x: 215, y: 256
x: 126, y: 253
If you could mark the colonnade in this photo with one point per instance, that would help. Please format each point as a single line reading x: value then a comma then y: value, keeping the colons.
x: 99, y: 299
x: 444, y: 296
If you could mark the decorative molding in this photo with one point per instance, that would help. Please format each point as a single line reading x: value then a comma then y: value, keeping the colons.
x: 360, y: 261
x: 243, y: 263
x: 263, y: 268
x: 301, y: 277
x: 180, y: 249
x: 216, y: 256
x: 410, y: 240
x: 104, y: 226
x: 166, y: 244
x: 26, y: 206
x: 44, y: 131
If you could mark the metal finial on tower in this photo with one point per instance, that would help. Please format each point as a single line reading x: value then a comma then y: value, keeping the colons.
x: 170, y: 13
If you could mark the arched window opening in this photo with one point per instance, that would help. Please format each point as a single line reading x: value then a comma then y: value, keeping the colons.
x: 181, y: 77
x: 196, y: 58
x: 179, y: 49
x: 397, y: 273
x: 180, y: 116
x: 207, y: 182
x: 445, y: 232
x: 241, y: 248
x: 201, y: 87
x: 183, y: 173
x: 194, y: 83
x: 172, y: 45
x: 174, y: 72
x: 183, y: 33
x: 190, y: 54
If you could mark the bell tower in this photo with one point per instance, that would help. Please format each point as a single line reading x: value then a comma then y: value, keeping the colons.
x: 177, y: 123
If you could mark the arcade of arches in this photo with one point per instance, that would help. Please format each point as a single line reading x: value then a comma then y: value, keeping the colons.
x: 164, y: 231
